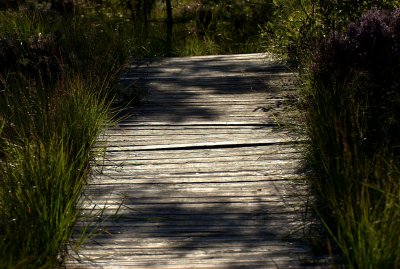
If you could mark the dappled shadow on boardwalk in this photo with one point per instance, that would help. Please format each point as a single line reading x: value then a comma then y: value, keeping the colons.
x: 168, y: 227
x: 197, y: 215
x: 220, y: 199
x: 179, y: 90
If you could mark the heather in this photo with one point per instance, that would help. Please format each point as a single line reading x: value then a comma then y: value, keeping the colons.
x: 59, y: 69
x: 352, y: 102
x: 296, y: 27
x: 347, y: 56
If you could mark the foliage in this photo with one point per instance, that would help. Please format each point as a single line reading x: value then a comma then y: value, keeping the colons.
x: 371, y: 48
x: 56, y: 83
x: 288, y: 32
x: 298, y: 25
x: 236, y: 18
x: 43, y: 175
x: 209, y: 26
x: 353, y: 103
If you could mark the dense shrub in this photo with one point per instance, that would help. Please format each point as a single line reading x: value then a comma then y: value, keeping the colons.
x: 35, y: 57
x: 237, y: 17
x: 296, y: 26
x: 369, y: 50
x: 353, y: 123
x: 221, y: 26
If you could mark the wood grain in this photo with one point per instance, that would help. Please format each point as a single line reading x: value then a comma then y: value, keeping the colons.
x: 202, y: 175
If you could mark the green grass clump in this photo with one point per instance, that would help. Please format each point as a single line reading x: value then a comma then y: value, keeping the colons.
x: 59, y: 67
x: 56, y: 84
x: 352, y: 102
x: 45, y: 164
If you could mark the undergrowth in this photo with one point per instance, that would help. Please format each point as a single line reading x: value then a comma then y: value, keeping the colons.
x: 352, y: 103
x: 57, y: 81
x: 59, y: 67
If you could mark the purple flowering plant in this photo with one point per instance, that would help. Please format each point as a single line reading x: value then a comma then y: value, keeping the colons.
x: 366, y: 56
x: 353, y: 124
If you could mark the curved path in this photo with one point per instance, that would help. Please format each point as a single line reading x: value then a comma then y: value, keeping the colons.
x: 203, y: 175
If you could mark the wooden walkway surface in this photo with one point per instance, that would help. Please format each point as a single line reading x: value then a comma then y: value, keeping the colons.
x: 202, y: 175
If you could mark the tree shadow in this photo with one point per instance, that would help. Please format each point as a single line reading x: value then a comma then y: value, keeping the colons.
x: 158, y: 217
x: 179, y: 90
x: 160, y: 223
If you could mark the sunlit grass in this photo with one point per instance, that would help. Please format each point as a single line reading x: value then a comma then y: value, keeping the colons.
x: 58, y: 78
x: 51, y: 117
x: 43, y: 174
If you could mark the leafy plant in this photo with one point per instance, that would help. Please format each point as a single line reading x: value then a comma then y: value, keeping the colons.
x: 298, y: 25
x: 352, y: 101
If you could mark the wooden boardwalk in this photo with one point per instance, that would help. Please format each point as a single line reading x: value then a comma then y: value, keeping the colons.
x: 202, y: 175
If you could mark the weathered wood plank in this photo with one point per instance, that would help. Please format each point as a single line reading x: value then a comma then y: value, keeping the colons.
x: 202, y: 175
x: 182, y: 138
x: 119, y: 160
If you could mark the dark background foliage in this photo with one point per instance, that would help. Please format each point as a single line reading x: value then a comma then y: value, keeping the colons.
x: 371, y: 49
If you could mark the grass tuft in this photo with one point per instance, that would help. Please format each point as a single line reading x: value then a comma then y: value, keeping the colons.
x: 57, y: 82
x: 352, y: 158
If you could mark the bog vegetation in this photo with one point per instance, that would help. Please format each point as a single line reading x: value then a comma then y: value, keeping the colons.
x: 59, y: 66
x: 347, y: 54
x: 56, y: 80
x: 352, y: 100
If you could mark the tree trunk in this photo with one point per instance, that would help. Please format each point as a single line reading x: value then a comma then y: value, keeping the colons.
x: 170, y: 24
x: 170, y: 21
